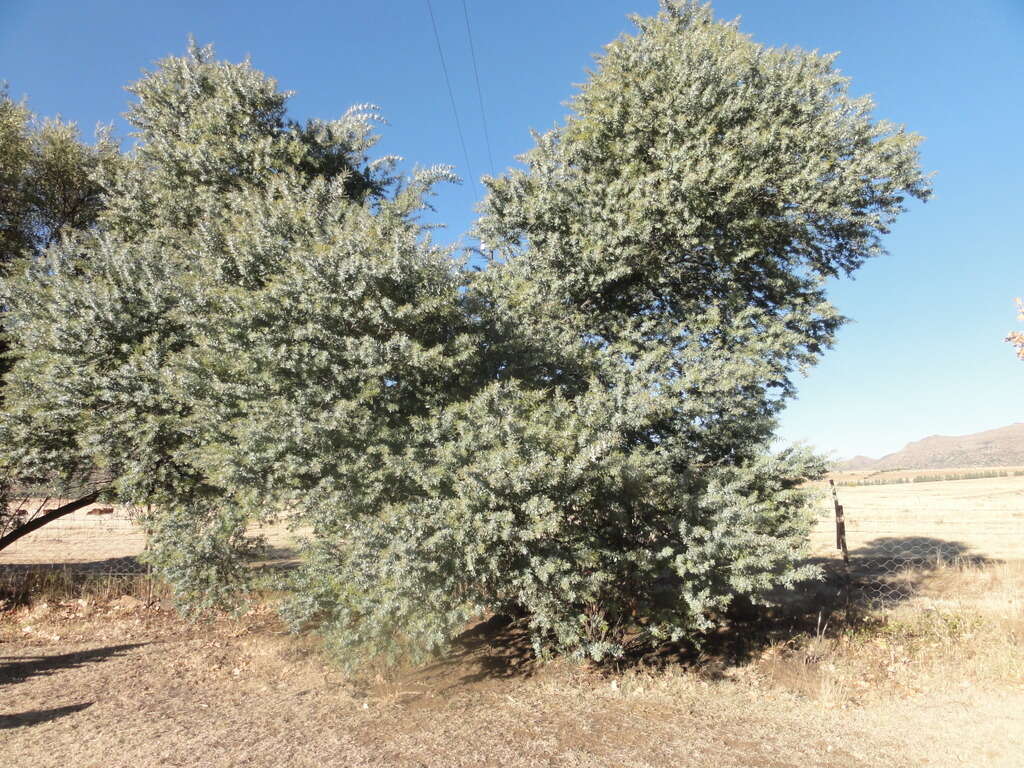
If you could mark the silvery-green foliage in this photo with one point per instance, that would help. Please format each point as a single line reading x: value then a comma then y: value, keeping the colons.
x: 256, y: 316
x: 663, y: 257
x: 205, y: 128
x: 48, y: 193
x: 205, y: 550
x: 578, y: 432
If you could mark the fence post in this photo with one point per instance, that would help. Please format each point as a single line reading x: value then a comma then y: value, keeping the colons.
x: 840, y: 525
x: 841, y: 543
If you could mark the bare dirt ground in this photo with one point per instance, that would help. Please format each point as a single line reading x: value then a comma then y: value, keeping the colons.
x: 938, y: 681
x: 934, y: 679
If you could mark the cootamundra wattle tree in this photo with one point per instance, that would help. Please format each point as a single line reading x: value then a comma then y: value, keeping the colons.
x: 658, y: 279
x: 579, y: 432
x: 665, y: 253
x: 249, y: 329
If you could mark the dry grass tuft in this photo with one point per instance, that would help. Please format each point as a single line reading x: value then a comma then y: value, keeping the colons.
x: 60, y: 585
x: 963, y: 627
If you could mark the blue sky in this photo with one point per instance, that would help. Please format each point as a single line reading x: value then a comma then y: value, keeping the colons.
x: 924, y: 354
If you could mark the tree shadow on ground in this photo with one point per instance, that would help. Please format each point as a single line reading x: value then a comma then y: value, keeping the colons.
x: 496, y: 649
x: 890, y: 553
x: 886, y: 570
x: 38, y: 716
x: 17, y: 669
x: 882, y: 573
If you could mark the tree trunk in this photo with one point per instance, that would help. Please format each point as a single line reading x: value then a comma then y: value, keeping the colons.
x: 53, y: 514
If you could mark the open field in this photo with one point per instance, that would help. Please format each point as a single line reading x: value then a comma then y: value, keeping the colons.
x: 85, y: 539
x: 980, y: 518
x: 853, y: 477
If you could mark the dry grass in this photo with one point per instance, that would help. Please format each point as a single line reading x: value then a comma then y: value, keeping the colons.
x: 109, y: 542
x: 64, y: 585
x: 78, y: 538
x: 964, y: 627
x: 985, y: 517
x: 102, y: 673
x: 936, y: 681
x: 981, y: 518
x: 938, y: 475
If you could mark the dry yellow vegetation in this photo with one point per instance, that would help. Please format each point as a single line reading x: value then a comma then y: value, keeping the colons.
x: 936, y: 681
x: 933, y: 679
x: 979, y: 518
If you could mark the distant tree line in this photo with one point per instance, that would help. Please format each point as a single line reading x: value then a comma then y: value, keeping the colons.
x: 972, y: 475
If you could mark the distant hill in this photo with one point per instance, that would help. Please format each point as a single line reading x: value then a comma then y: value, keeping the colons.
x: 1003, y: 447
x: 858, y: 463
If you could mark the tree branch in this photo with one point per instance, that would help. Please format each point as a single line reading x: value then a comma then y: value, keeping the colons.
x: 50, y: 516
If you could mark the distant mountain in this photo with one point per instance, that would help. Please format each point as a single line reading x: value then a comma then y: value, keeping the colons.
x: 1003, y: 447
x: 858, y: 463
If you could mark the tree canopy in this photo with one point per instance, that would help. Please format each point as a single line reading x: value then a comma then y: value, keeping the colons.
x: 47, y: 184
x: 48, y: 193
x: 261, y: 327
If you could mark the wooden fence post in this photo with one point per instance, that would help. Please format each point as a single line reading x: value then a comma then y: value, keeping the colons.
x: 841, y: 544
x: 840, y: 525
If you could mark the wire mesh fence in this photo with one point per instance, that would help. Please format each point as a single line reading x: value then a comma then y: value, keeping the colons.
x: 888, y: 543
x: 894, y: 570
x: 895, y: 537
x: 101, y: 541
x: 97, y: 540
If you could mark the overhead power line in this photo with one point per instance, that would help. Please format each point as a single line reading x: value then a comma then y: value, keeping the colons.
x: 479, y: 90
x: 451, y: 94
